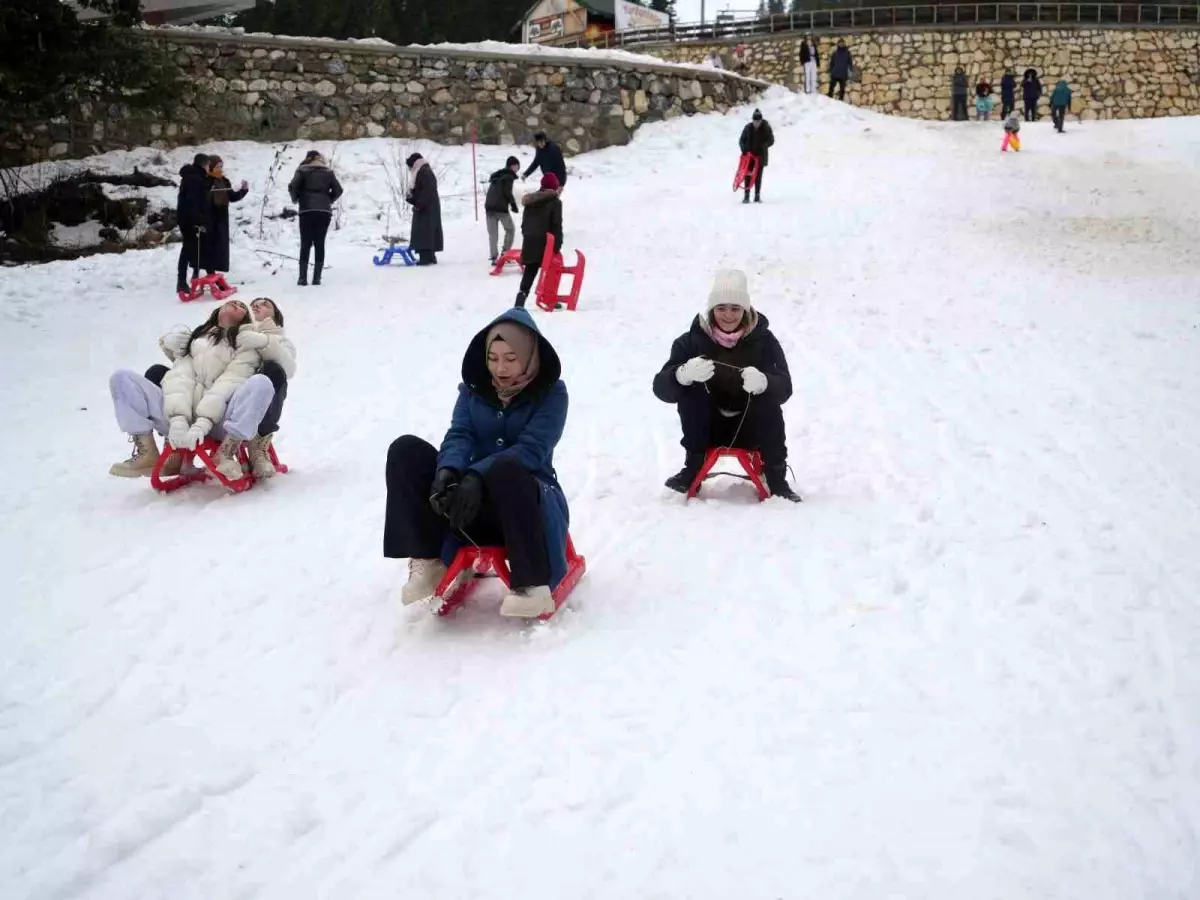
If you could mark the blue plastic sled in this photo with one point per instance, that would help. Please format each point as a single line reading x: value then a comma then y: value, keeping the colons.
x: 386, y: 255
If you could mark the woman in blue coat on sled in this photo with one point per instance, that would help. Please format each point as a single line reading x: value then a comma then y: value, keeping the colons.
x: 493, y: 481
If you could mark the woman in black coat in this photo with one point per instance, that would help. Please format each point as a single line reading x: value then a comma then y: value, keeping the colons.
x: 426, y: 238
x: 729, y: 380
x: 543, y: 216
x: 1031, y: 91
x: 214, y: 249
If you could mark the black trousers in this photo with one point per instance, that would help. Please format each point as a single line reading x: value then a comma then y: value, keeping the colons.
x: 1030, y: 110
x: 1006, y: 107
x: 529, y: 277
x: 511, y: 515
x: 273, y: 370
x: 705, y: 427
x: 1058, y: 114
x: 189, y: 255
x: 841, y: 86
x: 959, y: 107
x: 313, y: 228
x: 757, y: 181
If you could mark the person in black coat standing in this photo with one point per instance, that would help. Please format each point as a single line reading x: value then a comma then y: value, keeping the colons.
x: 840, y: 65
x: 958, y: 95
x: 190, y: 210
x: 810, y: 59
x: 549, y: 159
x: 1008, y: 93
x: 729, y: 380
x: 497, y: 203
x: 315, y: 189
x: 426, y: 237
x: 1031, y: 91
x: 543, y: 216
x: 214, y: 249
x: 757, y: 138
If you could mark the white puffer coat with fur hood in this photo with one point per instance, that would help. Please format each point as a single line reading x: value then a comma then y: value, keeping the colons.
x: 199, y: 385
x: 279, y: 349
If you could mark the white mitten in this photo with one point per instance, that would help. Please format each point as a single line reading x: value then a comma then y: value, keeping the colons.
x: 198, y: 432
x: 695, y: 369
x: 754, y: 381
x: 178, y: 434
x: 249, y: 339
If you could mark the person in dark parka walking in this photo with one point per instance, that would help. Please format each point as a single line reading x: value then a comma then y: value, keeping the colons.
x: 543, y: 216
x: 840, y: 64
x: 757, y: 138
x: 1008, y: 93
x: 190, y: 209
x: 1031, y: 92
x: 426, y: 237
x: 493, y: 480
x: 497, y: 203
x: 214, y: 249
x: 549, y: 159
x: 958, y: 95
x: 315, y: 188
x: 1060, y: 103
x: 729, y: 380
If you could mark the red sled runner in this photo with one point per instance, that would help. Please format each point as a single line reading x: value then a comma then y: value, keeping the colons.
x: 207, y: 469
x: 508, y: 256
x: 550, y: 277
x: 747, y: 168
x: 215, y: 284
x: 750, y: 460
x: 458, y: 583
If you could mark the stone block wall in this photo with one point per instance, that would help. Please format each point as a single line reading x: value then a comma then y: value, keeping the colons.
x: 1115, y: 73
x: 243, y: 87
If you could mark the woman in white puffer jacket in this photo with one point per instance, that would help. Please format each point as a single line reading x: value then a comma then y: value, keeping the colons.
x: 208, y: 389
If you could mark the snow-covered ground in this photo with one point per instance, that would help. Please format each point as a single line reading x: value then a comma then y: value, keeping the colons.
x: 968, y: 666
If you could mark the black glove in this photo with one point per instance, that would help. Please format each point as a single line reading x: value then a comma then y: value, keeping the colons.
x: 441, y: 490
x: 466, y: 501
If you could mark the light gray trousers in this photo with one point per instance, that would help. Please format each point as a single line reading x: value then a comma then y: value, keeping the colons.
x: 139, y: 406
x: 494, y: 221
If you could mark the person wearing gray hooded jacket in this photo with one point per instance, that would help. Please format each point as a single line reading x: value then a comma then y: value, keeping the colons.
x: 315, y: 188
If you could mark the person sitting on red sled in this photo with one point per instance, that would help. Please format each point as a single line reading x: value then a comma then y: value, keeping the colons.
x: 729, y: 379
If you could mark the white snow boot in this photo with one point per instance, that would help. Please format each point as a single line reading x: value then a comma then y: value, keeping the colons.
x: 141, y: 461
x: 260, y: 456
x: 423, y: 578
x: 528, y: 603
x: 226, y: 460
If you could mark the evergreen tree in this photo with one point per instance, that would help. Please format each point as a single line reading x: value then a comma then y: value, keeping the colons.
x: 775, y: 7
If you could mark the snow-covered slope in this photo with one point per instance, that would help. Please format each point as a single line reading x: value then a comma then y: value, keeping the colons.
x: 966, y: 666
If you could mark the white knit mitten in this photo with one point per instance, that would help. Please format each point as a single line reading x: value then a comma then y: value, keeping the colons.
x: 754, y: 381
x: 695, y: 369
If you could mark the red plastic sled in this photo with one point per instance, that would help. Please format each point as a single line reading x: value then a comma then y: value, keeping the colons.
x: 550, y: 277
x: 750, y: 460
x: 205, y: 454
x: 216, y: 285
x: 508, y: 256
x: 452, y: 591
x: 747, y: 168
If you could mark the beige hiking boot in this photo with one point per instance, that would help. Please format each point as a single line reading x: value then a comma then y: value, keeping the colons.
x: 423, y: 578
x: 260, y: 456
x: 141, y: 461
x: 226, y: 460
x: 528, y: 603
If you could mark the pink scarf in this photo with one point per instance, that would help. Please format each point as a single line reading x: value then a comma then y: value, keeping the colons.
x: 727, y: 339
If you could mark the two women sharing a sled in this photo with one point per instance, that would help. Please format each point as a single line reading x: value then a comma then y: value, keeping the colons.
x: 729, y: 380
x: 492, y: 481
x: 227, y: 380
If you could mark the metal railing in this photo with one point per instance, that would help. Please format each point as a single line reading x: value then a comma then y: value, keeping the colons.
x: 1046, y: 15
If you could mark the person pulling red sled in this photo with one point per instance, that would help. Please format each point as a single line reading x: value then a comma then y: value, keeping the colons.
x: 755, y: 143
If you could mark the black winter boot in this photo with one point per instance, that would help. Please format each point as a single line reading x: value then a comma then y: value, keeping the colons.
x: 316, y: 277
x: 746, y: 198
x: 522, y: 296
x: 682, y: 480
x: 777, y: 484
x: 303, y: 279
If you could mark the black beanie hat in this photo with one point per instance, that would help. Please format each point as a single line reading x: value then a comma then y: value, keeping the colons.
x: 412, y: 159
x: 512, y: 161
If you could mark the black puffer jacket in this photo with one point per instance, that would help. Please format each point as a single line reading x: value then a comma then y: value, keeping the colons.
x: 500, y: 192
x: 759, y: 349
x: 193, y: 196
x: 758, y: 141
x: 315, y: 188
x: 543, y: 216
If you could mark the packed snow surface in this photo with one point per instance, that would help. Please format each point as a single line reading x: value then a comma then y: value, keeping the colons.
x: 968, y: 666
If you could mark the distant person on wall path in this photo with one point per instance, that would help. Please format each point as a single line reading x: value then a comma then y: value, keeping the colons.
x: 839, y: 69
x: 427, y: 240
x: 810, y: 59
x: 958, y: 95
x: 1008, y: 94
x: 214, y: 248
x: 757, y: 138
x: 549, y: 159
x: 1031, y: 92
x: 543, y: 216
x: 496, y: 206
x: 1060, y: 102
x: 315, y: 188
x: 190, y: 210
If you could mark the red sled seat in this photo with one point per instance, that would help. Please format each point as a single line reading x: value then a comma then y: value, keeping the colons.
x: 550, y: 276
x: 207, y: 469
x: 457, y: 584
x: 508, y: 256
x: 747, y: 168
x: 215, y: 284
x: 750, y: 460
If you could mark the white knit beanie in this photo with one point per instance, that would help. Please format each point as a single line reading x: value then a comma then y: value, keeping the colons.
x: 729, y: 287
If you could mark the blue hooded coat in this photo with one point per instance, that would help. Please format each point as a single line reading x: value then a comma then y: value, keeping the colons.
x: 483, y: 430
